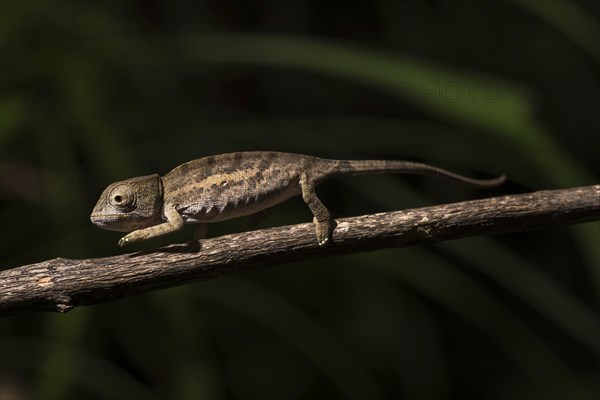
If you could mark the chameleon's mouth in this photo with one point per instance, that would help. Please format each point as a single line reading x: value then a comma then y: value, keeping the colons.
x: 107, y: 221
x: 102, y: 217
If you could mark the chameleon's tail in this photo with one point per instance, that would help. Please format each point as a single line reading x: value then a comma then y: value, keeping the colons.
x: 368, y: 167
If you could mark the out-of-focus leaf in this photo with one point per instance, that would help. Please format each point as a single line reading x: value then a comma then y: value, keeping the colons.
x: 547, y: 297
x: 12, y: 114
x: 82, y: 370
x: 67, y: 332
x: 301, y: 330
x: 569, y: 19
x: 452, y: 289
x: 192, y: 360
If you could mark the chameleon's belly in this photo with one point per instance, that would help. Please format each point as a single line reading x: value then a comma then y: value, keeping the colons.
x: 219, y: 204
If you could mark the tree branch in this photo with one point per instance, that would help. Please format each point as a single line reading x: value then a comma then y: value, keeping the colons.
x: 61, y: 284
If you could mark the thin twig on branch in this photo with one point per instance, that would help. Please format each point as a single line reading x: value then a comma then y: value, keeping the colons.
x: 61, y: 284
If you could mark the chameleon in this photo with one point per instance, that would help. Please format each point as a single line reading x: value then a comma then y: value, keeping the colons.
x: 226, y: 186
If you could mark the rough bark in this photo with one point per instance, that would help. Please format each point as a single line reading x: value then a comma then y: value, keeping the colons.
x: 61, y: 284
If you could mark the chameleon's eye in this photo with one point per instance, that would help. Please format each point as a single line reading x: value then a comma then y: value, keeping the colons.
x: 122, y: 197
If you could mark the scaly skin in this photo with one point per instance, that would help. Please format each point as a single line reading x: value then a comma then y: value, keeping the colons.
x: 226, y: 186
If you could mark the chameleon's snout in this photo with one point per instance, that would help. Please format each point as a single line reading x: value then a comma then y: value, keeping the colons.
x: 114, y: 222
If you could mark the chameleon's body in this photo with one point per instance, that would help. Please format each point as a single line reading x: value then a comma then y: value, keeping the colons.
x: 226, y: 186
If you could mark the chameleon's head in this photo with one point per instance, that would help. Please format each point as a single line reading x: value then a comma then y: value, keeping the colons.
x: 130, y: 204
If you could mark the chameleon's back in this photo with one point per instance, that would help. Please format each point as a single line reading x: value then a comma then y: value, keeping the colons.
x: 232, y: 185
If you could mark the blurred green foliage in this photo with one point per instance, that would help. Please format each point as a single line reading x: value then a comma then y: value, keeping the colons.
x: 93, y: 92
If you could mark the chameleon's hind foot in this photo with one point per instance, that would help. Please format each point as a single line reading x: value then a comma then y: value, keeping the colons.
x: 323, y: 231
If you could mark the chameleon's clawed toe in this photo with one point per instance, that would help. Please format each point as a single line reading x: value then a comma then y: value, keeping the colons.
x: 323, y: 231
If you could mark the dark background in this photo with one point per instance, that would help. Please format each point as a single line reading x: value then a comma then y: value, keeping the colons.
x: 95, y: 92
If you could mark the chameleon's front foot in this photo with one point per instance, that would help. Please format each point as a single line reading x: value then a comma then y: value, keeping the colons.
x: 125, y: 240
x: 174, y: 223
x: 134, y: 236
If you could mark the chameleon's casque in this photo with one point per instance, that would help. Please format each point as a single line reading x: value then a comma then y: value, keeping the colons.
x: 226, y: 186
